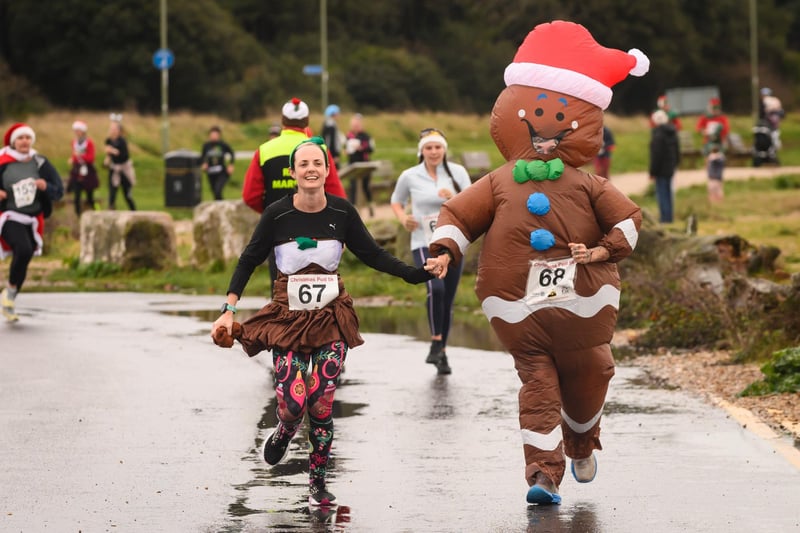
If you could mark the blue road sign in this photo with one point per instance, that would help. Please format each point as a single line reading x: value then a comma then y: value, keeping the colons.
x: 312, y: 70
x: 163, y: 59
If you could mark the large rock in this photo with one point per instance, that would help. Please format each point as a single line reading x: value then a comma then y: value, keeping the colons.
x: 221, y: 230
x: 130, y: 239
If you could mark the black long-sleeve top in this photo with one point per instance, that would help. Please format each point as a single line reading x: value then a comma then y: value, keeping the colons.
x: 282, y: 223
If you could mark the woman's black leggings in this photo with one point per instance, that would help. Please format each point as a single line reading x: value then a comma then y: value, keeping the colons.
x: 127, y: 188
x: 441, y: 293
x: 20, y: 238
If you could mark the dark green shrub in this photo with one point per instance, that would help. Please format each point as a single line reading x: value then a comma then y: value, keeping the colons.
x: 781, y: 374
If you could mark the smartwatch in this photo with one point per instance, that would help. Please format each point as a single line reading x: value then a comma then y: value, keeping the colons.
x: 227, y: 307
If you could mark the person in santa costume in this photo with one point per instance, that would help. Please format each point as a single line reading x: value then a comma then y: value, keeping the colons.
x: 82, y: 174
x: 29, y: 185
x: 547, y: 276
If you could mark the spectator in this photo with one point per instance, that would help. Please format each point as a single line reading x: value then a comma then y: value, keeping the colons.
x: 715, y: 127
x: 268, y: 178
x: 663, y: 105
x: 331, y: 134
x: 218, y: 159
x: 664, y: 159
x: 359, y: 147
x: 427, y: 186
x: 602, y: 161
x: 119, y: 163
x: 82, y: 174
x: 28, y: 187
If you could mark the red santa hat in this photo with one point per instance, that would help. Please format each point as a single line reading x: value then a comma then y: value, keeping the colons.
x: 295, y: 109
x: 563, y: 56
x: 17, y: 130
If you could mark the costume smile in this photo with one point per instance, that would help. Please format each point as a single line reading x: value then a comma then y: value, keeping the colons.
x: 545, y: 145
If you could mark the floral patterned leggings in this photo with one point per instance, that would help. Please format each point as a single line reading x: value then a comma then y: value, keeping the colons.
x: 298, y: 390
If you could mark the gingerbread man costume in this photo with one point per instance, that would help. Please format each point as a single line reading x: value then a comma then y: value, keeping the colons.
x: 547, y: 277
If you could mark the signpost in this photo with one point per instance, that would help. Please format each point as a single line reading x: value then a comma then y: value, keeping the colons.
x: 312, y: 70
x: 163, y: 60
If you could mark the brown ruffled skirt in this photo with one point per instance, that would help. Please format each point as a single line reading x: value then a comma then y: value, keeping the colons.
x: 276, y: 326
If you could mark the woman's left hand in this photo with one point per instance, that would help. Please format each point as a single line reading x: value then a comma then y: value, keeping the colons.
x: 445, y: 193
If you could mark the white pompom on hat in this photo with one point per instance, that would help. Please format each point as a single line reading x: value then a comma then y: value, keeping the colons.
x: 432, y: 137
x: 295, y: 109
x: 79, y: 125
x: 16, y: 131
x: 659, y: 117
x: 564, y: 57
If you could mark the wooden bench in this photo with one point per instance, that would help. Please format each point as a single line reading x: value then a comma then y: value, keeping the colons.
x: 690, y: 152
x: 476, y: 163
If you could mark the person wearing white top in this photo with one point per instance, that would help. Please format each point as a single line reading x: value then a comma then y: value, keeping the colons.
x: 426, y: 187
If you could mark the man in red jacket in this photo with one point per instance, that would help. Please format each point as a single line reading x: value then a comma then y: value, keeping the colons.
x: 268, y: 177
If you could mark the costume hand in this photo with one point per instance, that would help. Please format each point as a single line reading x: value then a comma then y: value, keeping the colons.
x: 438, y: 265
x: 224, y: 339
x: 41, y: 184
x: 410, y: 223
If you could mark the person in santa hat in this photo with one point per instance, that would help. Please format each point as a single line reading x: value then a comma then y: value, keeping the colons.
x: 547, y: 276
x: 29, y: 185
x: 82, y: 174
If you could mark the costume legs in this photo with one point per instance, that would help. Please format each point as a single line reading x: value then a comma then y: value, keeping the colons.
x: 560, y: 404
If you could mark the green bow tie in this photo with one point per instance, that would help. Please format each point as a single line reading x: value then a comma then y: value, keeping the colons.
x: 537, y: 170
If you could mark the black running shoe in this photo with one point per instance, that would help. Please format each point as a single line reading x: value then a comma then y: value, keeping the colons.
x: 275, y: 449
x: 436, y: 353
x: 319, y: 496
x: 442, y: 368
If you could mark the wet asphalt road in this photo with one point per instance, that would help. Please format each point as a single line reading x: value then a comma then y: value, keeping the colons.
x: 117, y: 414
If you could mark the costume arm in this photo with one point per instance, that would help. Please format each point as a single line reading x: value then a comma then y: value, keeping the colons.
x: 619, y: 218
x: 464, y: 218
x: 253, y: 188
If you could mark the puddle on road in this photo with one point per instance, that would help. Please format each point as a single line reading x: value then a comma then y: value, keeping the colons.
x: 469, y: 329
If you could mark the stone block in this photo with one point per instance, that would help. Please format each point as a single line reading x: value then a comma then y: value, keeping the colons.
x: 221, y: 230
x: 131, y: 239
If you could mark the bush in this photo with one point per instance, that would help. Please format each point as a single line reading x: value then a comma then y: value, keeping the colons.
x: 781, y: 374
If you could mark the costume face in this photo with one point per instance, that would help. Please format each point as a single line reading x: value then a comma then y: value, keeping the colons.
x: 532, y: 123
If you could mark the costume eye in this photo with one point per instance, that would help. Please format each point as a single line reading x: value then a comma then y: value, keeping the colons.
x: 559, y: 116
x: 521, y: 113
x: 539, y: 112
x: 574, y: 124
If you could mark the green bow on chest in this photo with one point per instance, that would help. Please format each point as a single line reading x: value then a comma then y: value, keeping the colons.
x: 537, y: 170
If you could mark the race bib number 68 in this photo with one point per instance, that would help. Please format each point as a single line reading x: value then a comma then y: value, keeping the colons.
x: 551, y: 281
x: 312, y: 291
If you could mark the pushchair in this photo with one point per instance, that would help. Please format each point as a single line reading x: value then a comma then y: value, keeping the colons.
x: 766, y: 142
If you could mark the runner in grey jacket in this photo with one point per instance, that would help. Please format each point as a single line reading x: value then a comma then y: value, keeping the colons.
x: 426, y: 187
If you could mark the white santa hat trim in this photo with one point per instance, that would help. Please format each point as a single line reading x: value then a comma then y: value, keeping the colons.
x: 19, y: 132
x: 80, y: 125
x: 295, y: 109
x: 431, y: 138
x: 560, y: 80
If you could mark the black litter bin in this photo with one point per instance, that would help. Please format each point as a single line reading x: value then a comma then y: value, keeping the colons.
x: 183, y: 180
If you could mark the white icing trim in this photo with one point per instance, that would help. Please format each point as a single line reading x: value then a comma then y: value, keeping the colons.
x: 628, y: 228
x: 289, y: 258
x: 560, y: 80
x: 451, y: 232
x: 583, y: 306
x: 581, y: 428
x: 548, y: 442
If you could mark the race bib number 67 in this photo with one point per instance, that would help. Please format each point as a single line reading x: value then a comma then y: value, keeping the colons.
x: 312, y: 291
x: 551, y: 281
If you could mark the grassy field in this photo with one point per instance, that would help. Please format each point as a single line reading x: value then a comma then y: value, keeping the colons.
x: 764, y: 212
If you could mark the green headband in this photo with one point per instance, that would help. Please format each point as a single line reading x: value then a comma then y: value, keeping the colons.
x: 319, y: 141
